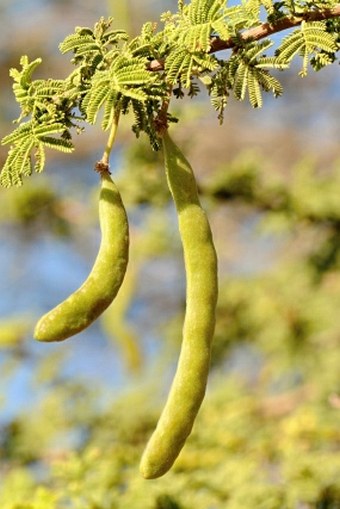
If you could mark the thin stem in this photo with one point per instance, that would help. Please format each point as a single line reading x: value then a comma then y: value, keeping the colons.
x: 111, y: 139
x: 161, y: 122
x: 103, y: 165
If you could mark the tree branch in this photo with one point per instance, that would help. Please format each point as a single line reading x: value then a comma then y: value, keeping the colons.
x: 266, y: 29
x: 262, y: 31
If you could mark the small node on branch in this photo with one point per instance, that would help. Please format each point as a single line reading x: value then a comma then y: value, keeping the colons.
x: 101, y: 167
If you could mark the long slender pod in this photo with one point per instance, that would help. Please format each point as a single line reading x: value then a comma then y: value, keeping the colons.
x: 97, y: 292
x: 189, y: 384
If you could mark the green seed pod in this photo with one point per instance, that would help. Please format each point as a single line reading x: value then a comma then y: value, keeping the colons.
x: 189, y: 384
x: 81, y: 308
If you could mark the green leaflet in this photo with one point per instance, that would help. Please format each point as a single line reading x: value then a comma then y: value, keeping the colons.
x: 181, y: 66
x: 252, y: 76
x: 126, y: 77
x: 27, y: 151
x: 309, y: 39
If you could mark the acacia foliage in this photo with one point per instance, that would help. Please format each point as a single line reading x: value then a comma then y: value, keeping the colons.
x: 178, y: 56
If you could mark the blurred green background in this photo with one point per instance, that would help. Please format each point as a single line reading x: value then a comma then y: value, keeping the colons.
x: 75, y: 416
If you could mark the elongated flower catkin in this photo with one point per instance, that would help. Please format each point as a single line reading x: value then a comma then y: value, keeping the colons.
x: 81, y: 308
x: 189, y: 384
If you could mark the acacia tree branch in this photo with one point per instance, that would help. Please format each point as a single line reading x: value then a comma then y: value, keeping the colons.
x: 262, y: 31
x: 266, y: 29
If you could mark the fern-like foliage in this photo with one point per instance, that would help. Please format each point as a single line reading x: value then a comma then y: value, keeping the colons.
x: 113, y: 74
x: 310, y: 40
x: 245, y: 73
x: 148, y: 43
x: 182, y: 65
x: 110, y: 73
x: 44, y: 122
x: 144, y: 119
x: 92, y: 48
x: 323, y: 58
x: 253, y: 7
x: 187, y: 39
x: 22, y: 83
x: 198, y: 22
x: 252, y: 74
x: 126, y: 77
x: 27, y: 150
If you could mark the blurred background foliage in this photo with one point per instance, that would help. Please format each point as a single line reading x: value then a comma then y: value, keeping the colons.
x: 75, y: 417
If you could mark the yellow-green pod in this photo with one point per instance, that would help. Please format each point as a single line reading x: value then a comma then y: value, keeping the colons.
x: 189, y: 384
x: 81, y: 308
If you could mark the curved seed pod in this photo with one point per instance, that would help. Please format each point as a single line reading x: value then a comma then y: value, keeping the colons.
x: 189, y: 384
x: 81, y: 308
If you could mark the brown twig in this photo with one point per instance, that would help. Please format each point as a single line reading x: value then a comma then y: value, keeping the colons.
x: 161, y: 121
x: 262, y: 31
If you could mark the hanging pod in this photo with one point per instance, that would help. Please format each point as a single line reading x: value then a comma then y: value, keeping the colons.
x: 97, y: 292
x: 189, y: 384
